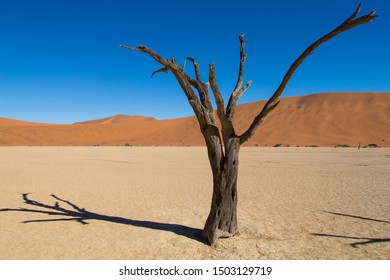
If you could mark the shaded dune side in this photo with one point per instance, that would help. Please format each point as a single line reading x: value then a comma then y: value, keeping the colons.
x: 325, y: 119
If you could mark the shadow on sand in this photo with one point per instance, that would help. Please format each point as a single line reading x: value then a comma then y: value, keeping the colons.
x: 82, y: 216
x: 364, y: 240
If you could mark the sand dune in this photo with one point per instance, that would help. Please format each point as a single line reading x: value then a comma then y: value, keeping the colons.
x: 117, y: 119
x: 12, y: 122
x: 325, y: 119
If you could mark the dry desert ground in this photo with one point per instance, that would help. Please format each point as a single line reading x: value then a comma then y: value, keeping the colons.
x: 151, y: 203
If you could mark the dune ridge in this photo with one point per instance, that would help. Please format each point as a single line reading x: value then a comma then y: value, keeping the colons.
x: 121, y: 118
x: 12, y: 122
x: 324, y: 119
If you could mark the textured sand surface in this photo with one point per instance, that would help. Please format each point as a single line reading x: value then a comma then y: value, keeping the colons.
x: 151, y: 203
x: 325, y: 120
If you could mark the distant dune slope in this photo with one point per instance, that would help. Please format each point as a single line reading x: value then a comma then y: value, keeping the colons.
x: 12, y: 122
x: 117, y: 119
x: 325, y: 119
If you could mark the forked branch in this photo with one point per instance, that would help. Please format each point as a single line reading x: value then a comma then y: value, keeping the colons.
x: 271, y: 104
x: 238, y: 89
x: 241, y: 68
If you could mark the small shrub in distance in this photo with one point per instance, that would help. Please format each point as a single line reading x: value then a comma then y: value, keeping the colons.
x: 371, y: 146
x: 342, y: 146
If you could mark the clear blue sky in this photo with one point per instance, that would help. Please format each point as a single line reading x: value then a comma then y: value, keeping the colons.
x: 60, y: 61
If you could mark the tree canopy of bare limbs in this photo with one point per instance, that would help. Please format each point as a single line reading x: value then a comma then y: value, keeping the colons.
x: 223, y: 144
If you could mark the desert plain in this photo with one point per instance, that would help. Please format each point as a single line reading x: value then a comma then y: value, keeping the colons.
x: 152, y: 202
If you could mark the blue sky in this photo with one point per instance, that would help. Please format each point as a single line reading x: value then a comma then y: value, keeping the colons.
x: 60, y: 61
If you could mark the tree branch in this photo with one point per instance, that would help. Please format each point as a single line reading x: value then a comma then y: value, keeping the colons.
x: 150, y: 52
x: 184, y: 65
x: 196, y: 67
x: 183, y: 79
x: 201, y: 88
x: 217, y: 93
x: 271, y: 104
x: 238, y: 91
x: 164, y: 69
x: 242, y: 61
x: 227, y: 126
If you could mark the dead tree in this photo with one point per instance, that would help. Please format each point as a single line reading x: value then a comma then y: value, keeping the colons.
x: 223, y: 144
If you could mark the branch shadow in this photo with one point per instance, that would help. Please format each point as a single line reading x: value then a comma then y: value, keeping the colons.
x: 366, y: 240
x: 357, y: 217
x: 81, y: 216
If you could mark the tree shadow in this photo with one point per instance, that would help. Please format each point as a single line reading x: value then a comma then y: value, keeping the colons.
x: 81, y: 216
x: 366, y: 240
x: 357, y: 217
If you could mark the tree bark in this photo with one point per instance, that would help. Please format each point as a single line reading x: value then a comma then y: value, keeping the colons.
x: 222, y: 219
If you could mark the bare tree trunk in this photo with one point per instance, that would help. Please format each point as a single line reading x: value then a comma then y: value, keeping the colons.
x: 222, y: 219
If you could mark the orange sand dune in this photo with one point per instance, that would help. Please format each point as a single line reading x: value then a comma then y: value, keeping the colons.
x: 12, y: 122
x: 117, y: 119
x: 325, y: 119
